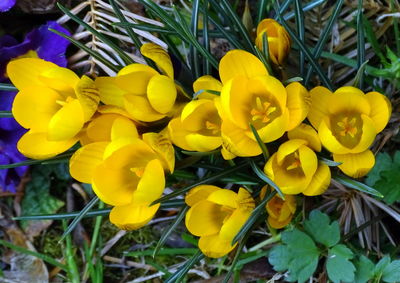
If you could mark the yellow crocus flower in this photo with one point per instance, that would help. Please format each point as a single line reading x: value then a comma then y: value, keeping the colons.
x: 216, y: 215
x: 53, y: 103
x: 250, y: 96
x: 127, y: 173
x: 198, y: 128
x: 347, y: 122
x: 280, y: 212
x: 295, y: 167
x: 139, y: 89
x: 278, y: 40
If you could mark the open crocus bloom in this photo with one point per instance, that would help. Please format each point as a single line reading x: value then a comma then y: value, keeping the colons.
x: 127, y: 173
x: 216, y: 216
x: 144, y: 93
x: 199, y: 126
x: 295, y: 167
x: 250, y: 96
x: 53, y: 103
x: 278, y: 40
x: 347, y: 122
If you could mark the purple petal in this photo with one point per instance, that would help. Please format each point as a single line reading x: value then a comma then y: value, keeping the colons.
x: 6, y: 5
x: 50, y: 46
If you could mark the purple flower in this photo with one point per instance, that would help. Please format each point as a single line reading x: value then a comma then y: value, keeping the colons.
x: 6, y: 5
x: 48, y: 46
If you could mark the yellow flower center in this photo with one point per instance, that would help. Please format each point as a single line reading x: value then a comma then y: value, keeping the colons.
x: 213, y: 127
x: 295, y: 162
x: 262, y: 111
x: 63, y: 102
x: 139, y: 171
x: 292, y: 164
x: 348, y: 127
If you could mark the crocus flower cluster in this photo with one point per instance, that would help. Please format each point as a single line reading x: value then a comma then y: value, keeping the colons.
x: 125, y: 162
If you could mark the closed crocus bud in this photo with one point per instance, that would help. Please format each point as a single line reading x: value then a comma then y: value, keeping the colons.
x: 347, y: 122
x: 216, y: 215
x: 278, y: 40
x: 280, y: 212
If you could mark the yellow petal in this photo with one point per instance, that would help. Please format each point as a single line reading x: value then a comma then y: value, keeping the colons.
x: 199, y: 193
x: 88, y: 96
x: 356, y: 165
x: 99, y: 129
x: 319, y: 182
x: 109, y: 92
x: 270, y: 88
x: 136, y: 67
x: 85, y: 160
x: 207, y: 83
x: 224, y: 197
x: 123, y: 128
x: 159, y: 56
x: 34, y: 106
x: 273, y: 130
x: 213, y: 246
x: 151, y: 184
x: 308, y: 160
x: 240, y: 63
x: 163, y: 147
x: 114, y: 186
x: 60, y: 79
x: 132, y: 216
x: 277, y: 223
x: 328, y: 140
x: 161, y: 93
x: 348, y: 99
x: 234, y: 223
x: 205, y: 218
x: 319, y: 105
x: 201, y: 143
x: 25, y: 72
x: 307, y: 133
x: 298, y: 103
x: 178, y: 134
x: 289, y: 147
x: 140, y: 108
x: 381, y: 109
x: 134, y: 83
x: 367, y: 137
x: 67, y: 122
x: 35, y: 145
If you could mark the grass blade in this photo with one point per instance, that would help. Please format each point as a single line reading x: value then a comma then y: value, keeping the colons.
x: 145, y: 27
x: 166, y: 251
x: 206, y: 39
x: 170, y: 229
x: 79, y: 217
x: 360, y: 42
x: 360, y: 74
x: 102, y: 37
x: 194, y: 28
x: 203, y: 181
x: 348, y: 182
x: 43, y: 257
x: 265, y: 178
x: 300, y: 30
x: 231, y: 39
x: 309, y: 6
x: 6, y: 114
x: 324, y: 36
x: 72, y: 271
x: 261, y: 10
x: 178, y: 276
x: 91, y: 52
x: 329, y: 162
x: 8, y: 87
x: 261, y: 144
x: 58, y: 159
x: 61, y: 216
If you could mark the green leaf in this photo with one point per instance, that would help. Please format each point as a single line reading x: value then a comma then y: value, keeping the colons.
x: 339, y: 266
x: 391, y: 273
x: 6, y: 114
x: 266, y: 179
x: 319, y: 227
x: 360, y: 41
x: 350, y: 183
x: 8, y: 87
x: 381, y: 265
x: 181, y: 272
x: 279, y: 258
x: 385, y: 177
x: 364, y: 270
x: 303, y: 254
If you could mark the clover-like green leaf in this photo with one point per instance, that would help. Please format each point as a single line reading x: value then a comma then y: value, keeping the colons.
x: 279, y: 258
x: 391, y: 273
x: 339, y: 266
x: 364, y: 270
x: 319, y: 227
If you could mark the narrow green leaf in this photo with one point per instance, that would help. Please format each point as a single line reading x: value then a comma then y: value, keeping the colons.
x: 261, y: 10
x: 360, y: 42
x: 89, y: 51
x: 164, y: 236
x: 292, y: 80
x: 329, y: 162
x: 163, y: 251
x: 309, y: 6
x: 299, y: 15
x: 72, y: 271
x: 61, y: 216
x: 79, y: 217
x: 197, y: 153
x: 194, y: 28
x: 6, y: 114
x: 206, y: 39
x: 102, y: 37
x: 203, y: 181
x: 261, y: 144
x: 357, y: 185
x: 360, y: 74
x: 58, y: 159
x: 227, y: 34
x: 308, y: 55
x: 43, y: 257
x: 145, y: 27
x: 8, y: 87
x: 265, y: 178
x: 324, y: 36
x: 371, y: 37
x: 181, y: 272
